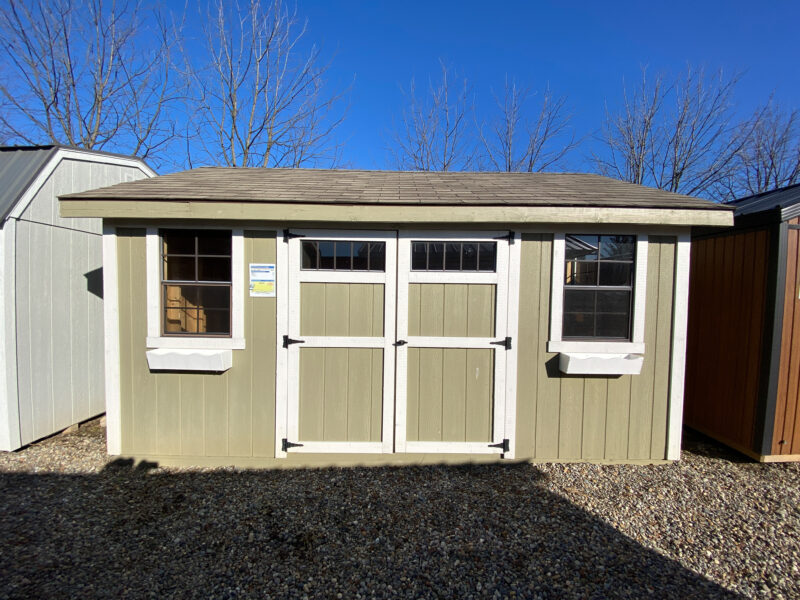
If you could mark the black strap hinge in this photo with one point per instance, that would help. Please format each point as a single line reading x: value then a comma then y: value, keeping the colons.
x: 286, y: 444
x: 504, y: 445
x: 287, y: 341
x: 506, y: 342
x: 509, y: 237
x: 400, y: 343
x: 288, y: 235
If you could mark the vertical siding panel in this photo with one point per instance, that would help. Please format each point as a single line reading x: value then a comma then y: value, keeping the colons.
x: 431, y: 318
x: 215, y: 399
x: 570, y: 421
x: 60, y: 327
x: 455, y: 310
x: 757, y: 284
x: 412, y: 395
x: 641, y: 418
x: 548, y: 389
x: 454, y: 389
x: 337, y: 307
x: 240, y: 382
x: 414, y: 309
x: 480, y: 385
x: 336, y: 393
x: 618, y: 417
x: 792, y: 332
x: 430, y: 394
x: 361, y: 310
x: 168, y: 401
x: 312, y: 393
x: 125, y: 242
x: 83, y: 334
x: 192, y: 417
x: 738, y: 262
x: 145, y: 414
x: 595, y: 392
x: 376, y: 412
x: 312, y: 308
x: 481, y: 310
x: 359, y: 394
x: 379, y: 326
x: 24, y: 316
x: 663, y: 347
x: 261, y: 347
x: 93, y: 341
x: 787, y: 358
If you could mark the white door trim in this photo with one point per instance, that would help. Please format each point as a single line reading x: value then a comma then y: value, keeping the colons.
x: 296, y: 276
x: 504, y: 423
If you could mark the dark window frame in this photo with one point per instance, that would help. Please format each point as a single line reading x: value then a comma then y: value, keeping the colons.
x: 196, y: 282
x: 318, y: 256
x: 630, y: 289
x: 445, y: 244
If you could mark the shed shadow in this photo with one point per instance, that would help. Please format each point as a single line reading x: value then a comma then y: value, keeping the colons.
x: 385, y: 532
x: 94, y: 282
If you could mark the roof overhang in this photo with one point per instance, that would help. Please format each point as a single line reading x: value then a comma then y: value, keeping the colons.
x: 390, y: 214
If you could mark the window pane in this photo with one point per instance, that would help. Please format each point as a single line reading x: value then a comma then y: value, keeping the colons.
x: 469, y: 257
x: 343, y: 250
x: 612, y: 326
x: 615, y: 273
x: 583, y: 247
x: 580, y: 273
x: 215, y: 321
x: 360, y: 256
x: 309, y: 255
x: 180, y: 296
x: 452, y: 257
x: 487, y: 259
x: 213, y: 269
x: 617, y: 247
x: 178, y: 241
x: 214, y: 296
x: 214, y: 242
x: 179, y: 320
x: 326, y: 255
x: 179, y: 268
x: 578, y: 325
x: 435, y: 256
x: 579, y: 300
x: 613, y: 302
x: 377, y: 256
x: 419, y: 256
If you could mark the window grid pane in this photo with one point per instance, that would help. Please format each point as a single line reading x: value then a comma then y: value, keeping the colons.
x: 454, y: 256
x: 342, y: 255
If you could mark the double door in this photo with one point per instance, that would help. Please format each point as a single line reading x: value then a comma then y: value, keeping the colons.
x: 396, y: 342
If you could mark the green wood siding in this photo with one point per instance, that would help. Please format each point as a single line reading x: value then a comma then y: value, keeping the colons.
x: 341, y: 394
x: 341, y: 309
x: 452, y: 310
x: 450, y: 395
x: 592, y: 418
x: 196, y: 414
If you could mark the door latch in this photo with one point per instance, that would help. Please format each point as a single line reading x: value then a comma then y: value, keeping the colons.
x: 400, y: 343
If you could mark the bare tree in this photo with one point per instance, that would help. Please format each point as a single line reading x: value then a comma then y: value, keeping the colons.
x: 433, y: 134
x: 512, y: 142
x: 86, y: 73
x: 678, y: 136
x: 770, y: 155
x: 259, y: 98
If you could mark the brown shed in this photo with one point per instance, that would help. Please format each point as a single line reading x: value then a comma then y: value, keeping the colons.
x: 743, y: 354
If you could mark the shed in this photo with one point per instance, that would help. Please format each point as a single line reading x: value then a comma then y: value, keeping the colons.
x: 271, y: 317
x: 51, y: 307
x: 743, y: 374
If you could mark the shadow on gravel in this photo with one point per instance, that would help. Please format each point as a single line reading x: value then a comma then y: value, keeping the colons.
x: 703, y: 445
x: 413, y: 532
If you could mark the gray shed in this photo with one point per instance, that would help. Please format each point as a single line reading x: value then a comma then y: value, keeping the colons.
x: 51, y: 307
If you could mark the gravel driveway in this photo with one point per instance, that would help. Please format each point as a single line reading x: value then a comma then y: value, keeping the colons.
x: 714, y: 525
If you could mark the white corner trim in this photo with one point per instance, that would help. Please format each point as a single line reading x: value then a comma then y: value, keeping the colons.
x: 281, y: 354
x: 10, y: 438
x: 600, y: 364
x: 112, y: 350
x: 512, y: 330
x: 154, y: 337
x: 556, y: 342
x: 215, y: 361
x: 73, y: 154
x: 680, y: 317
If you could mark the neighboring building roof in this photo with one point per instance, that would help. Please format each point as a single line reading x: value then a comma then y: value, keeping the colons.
x: 313, y: 186
x: 19, y: 166
x: 785, y: 201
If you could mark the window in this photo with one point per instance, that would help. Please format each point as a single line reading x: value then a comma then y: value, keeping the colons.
x: 598, y: 286
x: 321, y: 255
x: 454, y: 256
x: 196, y: 282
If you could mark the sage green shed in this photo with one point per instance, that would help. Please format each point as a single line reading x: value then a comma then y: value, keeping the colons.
x: 271, y: 317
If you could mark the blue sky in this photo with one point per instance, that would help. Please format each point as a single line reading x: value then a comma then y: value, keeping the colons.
x: 581, y: 49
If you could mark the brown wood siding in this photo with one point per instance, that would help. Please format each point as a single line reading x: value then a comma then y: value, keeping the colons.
x: 786, y: 437
x: 727, y: 294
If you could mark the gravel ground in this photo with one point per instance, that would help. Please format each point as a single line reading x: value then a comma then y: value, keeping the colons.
x: 714, y: 525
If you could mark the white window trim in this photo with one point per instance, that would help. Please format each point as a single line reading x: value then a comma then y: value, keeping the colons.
x: 154, y: 337
x: 558, y: 344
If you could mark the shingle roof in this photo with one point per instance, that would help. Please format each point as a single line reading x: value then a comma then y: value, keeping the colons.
x: 19, y: 166
x: 781, y: 199
x: 316, y: 186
